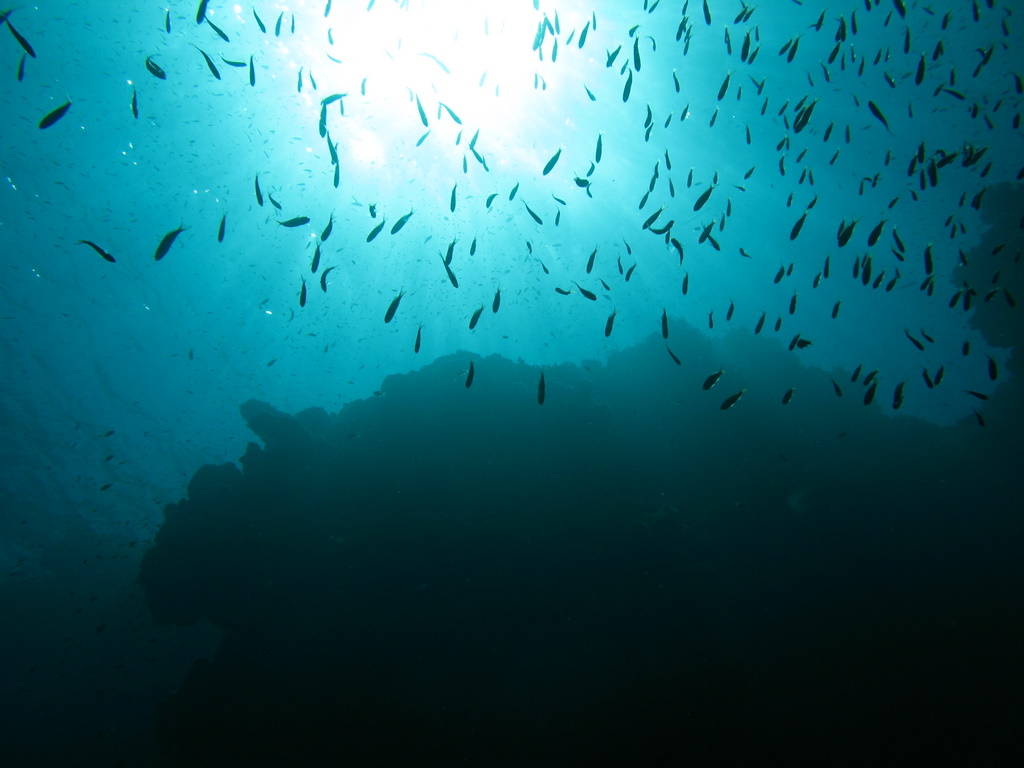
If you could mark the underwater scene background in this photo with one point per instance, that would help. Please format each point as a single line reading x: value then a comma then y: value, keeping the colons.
x: 426, y: 382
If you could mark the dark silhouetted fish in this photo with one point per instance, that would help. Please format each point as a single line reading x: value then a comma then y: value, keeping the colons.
x: 711, y: 380
x: 167, y: 242
x: 98, y: 250
x: 393, y: 307
x: 323, y: 279
x: 55, y: 115
x: 155, y: 68
x: 401, y: 223
x: 731, y: 400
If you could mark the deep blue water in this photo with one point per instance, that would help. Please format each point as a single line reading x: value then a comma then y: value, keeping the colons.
x: 255, y: 511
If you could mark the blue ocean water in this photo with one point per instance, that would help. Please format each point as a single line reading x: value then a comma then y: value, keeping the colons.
x: 505, y: 382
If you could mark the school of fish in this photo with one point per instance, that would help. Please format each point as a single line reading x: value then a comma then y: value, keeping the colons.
x: 673, y: 218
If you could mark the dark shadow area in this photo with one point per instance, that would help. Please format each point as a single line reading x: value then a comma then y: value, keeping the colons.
x: 622, y: 576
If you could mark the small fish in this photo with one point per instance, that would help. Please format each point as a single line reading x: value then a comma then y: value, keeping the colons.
x: 316, y: 260
x: 252, y: 73
x: 323, y: 279
x: 897, y: 396
x: 302, y: 294
x: 222, y: 228
x: 469, y: 375
x: 259, y: 192
x: 913, y: 341
x: 298, y: 221
x: 788, y: 396
x: 845, y: 233
x: 586, y: 294
x: 327, y: 230
x: 401, y: 223
x: 711, y: 380
x: 533, y: 215
x: 98, y: 250
x: 664, y: 324
x: 760, y: 323
x: 797, y: 227
x: 878, y: 113
x: 476, y: 317
x: 731, y: 400
x: 21, y: 40
x: 167, y: 242
x: 376, y: 230
x: 55, y: 115
x: 201, y: 13
x: 259, y: 22
x: 652, y: 218
x: 876, y: 233
x: 540, y: 389
x: 451, y: 275
x: 419, y: 339
x: 135, y: 104
x: 869, y: 396
x: 393, y: 307
x: 512, y: 194
x: 448, y: 109
x: 220, y: 32
x: 452, y: 203
x: 209, y: 62
x: 155, y: 68
x: 496, y: 304
x: 552, y: 162
x: 610, y: 323
x: 672, y: 354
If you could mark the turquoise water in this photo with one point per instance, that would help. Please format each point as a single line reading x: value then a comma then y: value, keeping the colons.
x: 850, y: 176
